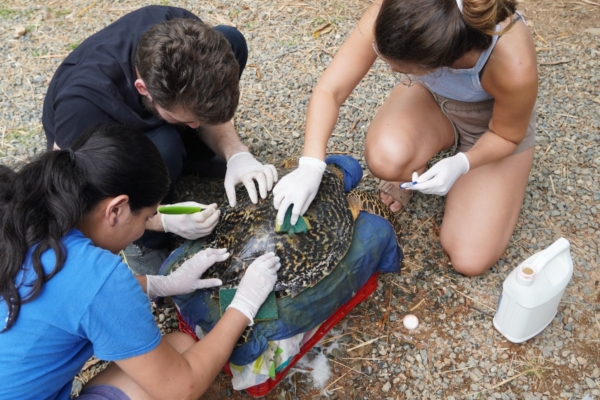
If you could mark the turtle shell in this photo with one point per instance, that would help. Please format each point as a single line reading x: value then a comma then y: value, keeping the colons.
x: 248, y: 231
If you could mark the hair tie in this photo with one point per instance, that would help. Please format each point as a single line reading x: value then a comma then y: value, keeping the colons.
x: 72, y: 154
x: 459, y: 3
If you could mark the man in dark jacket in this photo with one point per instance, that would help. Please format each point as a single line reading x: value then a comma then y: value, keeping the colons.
x: 164, y: 72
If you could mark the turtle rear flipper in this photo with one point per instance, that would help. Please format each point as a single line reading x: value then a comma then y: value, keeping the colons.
x: 355, y: 203
x: 371, y: 203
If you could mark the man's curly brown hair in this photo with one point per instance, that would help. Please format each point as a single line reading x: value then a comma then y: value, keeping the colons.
x: 188, y: 65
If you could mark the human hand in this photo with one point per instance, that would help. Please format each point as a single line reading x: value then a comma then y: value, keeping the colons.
x: 192, y: 226
x: 243, y: 167
x: 440, y: 178
x: 186, y: 278
x: 299, y: 187
x: 257, y: 283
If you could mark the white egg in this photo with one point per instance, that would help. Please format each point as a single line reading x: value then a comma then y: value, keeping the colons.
x: 410, y: 322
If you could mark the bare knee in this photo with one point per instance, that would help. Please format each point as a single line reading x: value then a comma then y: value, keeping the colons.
x: 470, y: 261
x: 390, y: 159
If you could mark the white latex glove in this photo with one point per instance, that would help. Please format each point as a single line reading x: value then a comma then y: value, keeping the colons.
x: 440, y: 178
x: 186, y: 278
x: 299, y: 188
x: 257, y: 283
x: 192, y: 226
x: 243, y: 167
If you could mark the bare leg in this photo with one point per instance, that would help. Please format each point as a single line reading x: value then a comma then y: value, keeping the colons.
x: 481, y: 212
x: 406, y: 132
x: 113, y: 375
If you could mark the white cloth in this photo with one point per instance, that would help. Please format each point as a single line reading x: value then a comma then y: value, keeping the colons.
x: 277, y: 356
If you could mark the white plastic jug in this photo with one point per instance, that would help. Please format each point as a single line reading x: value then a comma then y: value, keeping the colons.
x: 532, y: 292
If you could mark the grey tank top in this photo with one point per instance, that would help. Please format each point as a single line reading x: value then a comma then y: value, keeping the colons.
x: 462, y: 84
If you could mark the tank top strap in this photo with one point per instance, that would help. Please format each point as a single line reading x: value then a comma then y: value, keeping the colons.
x: 485, y: 55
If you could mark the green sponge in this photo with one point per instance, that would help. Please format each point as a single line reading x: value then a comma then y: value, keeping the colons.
x: 301, y: 226
x: 266, y: 312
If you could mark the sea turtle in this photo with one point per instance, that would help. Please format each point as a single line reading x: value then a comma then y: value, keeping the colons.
x: 248, y: 231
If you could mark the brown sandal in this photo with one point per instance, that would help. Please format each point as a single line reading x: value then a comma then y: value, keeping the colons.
x: 393, y: 190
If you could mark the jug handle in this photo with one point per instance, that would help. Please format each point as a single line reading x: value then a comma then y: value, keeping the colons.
x: 555, y: 249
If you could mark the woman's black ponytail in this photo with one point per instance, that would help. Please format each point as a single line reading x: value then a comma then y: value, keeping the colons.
x: 46, y: 198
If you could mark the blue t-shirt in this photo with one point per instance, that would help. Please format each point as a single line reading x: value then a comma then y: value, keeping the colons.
x: 93, y: 306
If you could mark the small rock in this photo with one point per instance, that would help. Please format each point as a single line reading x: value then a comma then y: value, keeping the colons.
x: 475, y: 376
x: 387, y: 386
x: 20, y: 31
x: 593, y: 31
x: 591, y: 384
x: 581, y: 360
x: 574, y: 361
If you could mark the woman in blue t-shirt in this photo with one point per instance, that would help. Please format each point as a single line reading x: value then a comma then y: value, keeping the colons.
x: 66, y: 295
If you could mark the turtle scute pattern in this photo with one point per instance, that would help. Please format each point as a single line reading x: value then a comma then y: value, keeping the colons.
x: 248, y: 231
x: 371, y: 203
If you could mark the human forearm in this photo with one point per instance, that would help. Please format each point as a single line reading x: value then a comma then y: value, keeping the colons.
x: 441, y: 176
x: 155, y: 224
x: 222, y: 139
x: 142, y: 281
x: 321, y: 117
x: 208, y: 356
x: 488, y: 149
x: 192, y: 366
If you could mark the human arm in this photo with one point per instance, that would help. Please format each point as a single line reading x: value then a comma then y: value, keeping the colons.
x: 191, y: 373
x: 242, y: 167
x: 351, y: 63
x: 511, y: 78
x: 349, y: 66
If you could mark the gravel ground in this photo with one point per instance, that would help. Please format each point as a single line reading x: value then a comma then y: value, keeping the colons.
x: 456, y: 352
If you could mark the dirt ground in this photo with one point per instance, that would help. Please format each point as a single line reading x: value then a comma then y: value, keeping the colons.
x: 456, y: 352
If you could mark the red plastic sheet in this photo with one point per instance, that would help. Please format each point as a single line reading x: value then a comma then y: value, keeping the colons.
x: 264, y: 388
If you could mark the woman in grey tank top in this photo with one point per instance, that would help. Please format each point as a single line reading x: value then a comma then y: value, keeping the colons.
x: 470, y: 84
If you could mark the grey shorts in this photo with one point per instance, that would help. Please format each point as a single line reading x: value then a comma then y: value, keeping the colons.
x: 102, y: 392
x: 471, y: 120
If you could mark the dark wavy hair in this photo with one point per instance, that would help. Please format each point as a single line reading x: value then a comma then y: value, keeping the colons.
x: 186, y: 63
x: 435, y: 33
x: 46, y: 198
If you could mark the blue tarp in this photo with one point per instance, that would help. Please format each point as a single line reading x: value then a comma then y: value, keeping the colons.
x: 374, y: 248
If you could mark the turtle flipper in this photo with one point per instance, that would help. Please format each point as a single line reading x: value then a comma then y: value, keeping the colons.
x: 355, y: 203
x: 372, y: 203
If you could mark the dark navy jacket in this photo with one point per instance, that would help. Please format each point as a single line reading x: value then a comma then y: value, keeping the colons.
x: 95, y: 84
